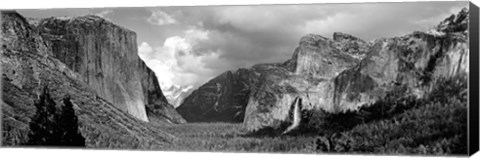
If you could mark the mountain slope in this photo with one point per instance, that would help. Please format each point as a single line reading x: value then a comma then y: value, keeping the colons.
x: 221, y: 99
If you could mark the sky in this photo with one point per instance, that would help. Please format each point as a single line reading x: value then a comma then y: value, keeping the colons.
x: 187, y: 46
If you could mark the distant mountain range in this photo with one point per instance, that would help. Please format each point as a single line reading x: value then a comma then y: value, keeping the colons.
x: 176, y: 94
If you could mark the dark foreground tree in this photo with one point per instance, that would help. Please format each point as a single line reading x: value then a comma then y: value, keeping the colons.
x: 68, y: 126
x: 53, y: 127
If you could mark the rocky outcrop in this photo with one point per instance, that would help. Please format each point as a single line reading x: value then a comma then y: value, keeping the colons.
x: 410, y: 64
x: 222, y: 99
x: 29, y: 63
x: 352, y: 45
x: 105, y: 56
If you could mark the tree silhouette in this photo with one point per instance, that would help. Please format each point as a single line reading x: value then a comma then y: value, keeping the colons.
x: 53, y: 127
x: 41, y: 126
x: 68, y: 126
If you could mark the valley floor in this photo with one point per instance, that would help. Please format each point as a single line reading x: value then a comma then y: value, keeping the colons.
x: 434, y: 125
x: 230, y: 137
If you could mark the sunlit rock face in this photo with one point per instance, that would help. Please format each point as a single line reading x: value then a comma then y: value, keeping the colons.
x: 105, y: 56
x: 29, y: 64
x: 307, y: 78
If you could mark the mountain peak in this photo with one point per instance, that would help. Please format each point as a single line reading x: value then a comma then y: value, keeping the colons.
x: 311, y: 39
x: 339, y: 36
x: 455, y: 23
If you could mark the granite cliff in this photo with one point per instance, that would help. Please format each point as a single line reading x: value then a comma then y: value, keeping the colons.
x: 92, y: 61
x: 336, y: 75
x: 104, y: 55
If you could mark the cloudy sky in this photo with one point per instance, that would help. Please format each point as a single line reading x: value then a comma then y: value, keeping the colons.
x: 187, y: 46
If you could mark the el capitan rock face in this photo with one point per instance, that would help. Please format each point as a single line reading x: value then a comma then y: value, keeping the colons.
x: 341, y: 74
x: 105, y: 56
x: 29, y: 64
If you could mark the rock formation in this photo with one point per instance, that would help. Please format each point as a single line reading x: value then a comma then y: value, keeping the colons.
x: 222, y: 99
x: 308, y: 75
x: 92, y: 61
x: 339, y: 74
x: 105, y: 56
x: 409, y: 64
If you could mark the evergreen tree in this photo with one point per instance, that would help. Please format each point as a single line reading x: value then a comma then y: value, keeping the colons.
x: 68, y: 125
x: 42, y: 124
x: 53, y: 127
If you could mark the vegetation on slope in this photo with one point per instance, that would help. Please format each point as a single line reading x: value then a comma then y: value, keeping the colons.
x: 436, y: 124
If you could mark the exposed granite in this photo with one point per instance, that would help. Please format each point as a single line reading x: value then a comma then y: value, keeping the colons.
x: 105, y: 56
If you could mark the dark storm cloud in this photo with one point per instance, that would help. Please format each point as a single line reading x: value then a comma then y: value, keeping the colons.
x: 246, y: 35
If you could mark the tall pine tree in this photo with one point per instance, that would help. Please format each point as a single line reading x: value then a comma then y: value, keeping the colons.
x: 68, y: 125
x: 42, y: 124
x: 53, y: 127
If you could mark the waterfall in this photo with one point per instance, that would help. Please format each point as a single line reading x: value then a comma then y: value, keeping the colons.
x: 296, y: 116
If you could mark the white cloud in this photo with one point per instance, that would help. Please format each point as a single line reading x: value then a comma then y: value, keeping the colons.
x: 145, y: 49
x: 262, y: 18
x: 176, y: 63
x: 160, y: 18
